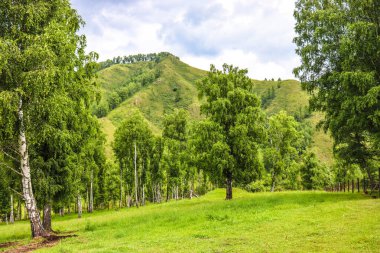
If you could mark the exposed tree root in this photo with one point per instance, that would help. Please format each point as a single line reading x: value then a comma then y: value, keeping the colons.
x: 37, y: 243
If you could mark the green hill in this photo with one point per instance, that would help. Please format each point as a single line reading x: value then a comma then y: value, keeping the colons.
x: 169, y: 83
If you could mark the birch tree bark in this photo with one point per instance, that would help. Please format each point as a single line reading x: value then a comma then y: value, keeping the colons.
x: 30, y: 201
x: 136, y: 180
x: 11, y: 216
x: 79, y: 204
x: 91, y: 204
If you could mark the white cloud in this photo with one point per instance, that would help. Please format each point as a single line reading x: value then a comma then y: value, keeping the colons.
x: 253, y: 34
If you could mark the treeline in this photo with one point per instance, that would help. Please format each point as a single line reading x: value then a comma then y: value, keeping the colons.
x: 236, y: 145
x: 138, y: 79
x: 153, y: 57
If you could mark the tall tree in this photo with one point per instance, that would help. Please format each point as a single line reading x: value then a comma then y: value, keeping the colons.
x: 132, y: 140
x: 282, y: 149
x: 237, y: 112
x: 175, y: 140
x: 338, y: 42
x: 42, y: 60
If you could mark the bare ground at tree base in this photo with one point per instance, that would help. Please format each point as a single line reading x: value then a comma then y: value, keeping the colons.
x: 37, y: 243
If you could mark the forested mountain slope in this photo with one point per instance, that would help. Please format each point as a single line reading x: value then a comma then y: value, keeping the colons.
x: 155, y: 88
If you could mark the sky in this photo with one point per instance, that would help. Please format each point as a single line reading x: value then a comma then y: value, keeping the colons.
x: 252, y: 34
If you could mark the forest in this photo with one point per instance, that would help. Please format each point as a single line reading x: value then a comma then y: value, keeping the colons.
x: 58, y: 158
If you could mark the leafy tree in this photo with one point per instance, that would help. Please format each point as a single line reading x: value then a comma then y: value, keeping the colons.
x: 42, y: 66
x: 175, y: 140
x: 133, y: 140
x: 156, y: 170
x: 236, y: 114
x: 314, y: 175
x: 284, y: 140
x: 338, y: 42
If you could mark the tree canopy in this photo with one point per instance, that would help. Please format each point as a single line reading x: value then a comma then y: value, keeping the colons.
x: 338, y: 42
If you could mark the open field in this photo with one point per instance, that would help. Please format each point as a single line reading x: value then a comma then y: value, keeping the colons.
x: 260, y: 222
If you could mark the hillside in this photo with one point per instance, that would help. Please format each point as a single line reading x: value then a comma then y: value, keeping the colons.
x: 175, y: 88
x: 259, y: 222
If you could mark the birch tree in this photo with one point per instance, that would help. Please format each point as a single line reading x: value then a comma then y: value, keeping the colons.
x: 42, y: 60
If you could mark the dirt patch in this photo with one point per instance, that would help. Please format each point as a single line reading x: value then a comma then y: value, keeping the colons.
x: 45, y: 242
x: 7, y: 244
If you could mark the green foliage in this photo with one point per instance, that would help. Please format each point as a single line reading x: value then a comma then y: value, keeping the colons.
x: 236, y: 112
x: 338, y: 45
x: 314, y: 175
x: 283, y: 150
x: 135, y: 58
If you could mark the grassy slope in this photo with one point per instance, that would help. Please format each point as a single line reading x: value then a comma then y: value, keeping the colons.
x: 159, y: 98
x: 155, y: 100
x: 261, y: 222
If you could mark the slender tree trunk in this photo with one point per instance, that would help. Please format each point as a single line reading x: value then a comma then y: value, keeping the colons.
x: 30, y: 201
x: 192, y: 188
x: 91, y: 204
x: 136, y: 180
x: 158, y: 193
x: 47, y: 217
x: 273, y: 182
x: 229, y: 186
x: 143, y: 195
x: 154, y: 193
x: 86, y: 199
x: 18, y: 215
x: 79, y: 204
x: 11, y: 215
x: 121, y: 185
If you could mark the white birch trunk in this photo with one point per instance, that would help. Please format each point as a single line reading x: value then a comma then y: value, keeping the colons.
x: 30, y: 201
x: 136, y: 180
x: 121, y: 186
x: 11, y: 216
x: 143, y: 195
x: 79, y: 199
x: 91, y: 206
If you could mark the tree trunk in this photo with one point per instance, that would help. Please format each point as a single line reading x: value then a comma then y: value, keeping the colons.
x: 47, y: 217
x: 153, y: 193
x: 273, y: 182
x: 30, y: 201
x: 86, y: 199
x: 79, y: 199
x: 11, y: 216
x: 229, y: 186
x: 158, y: 193
x: 143, y: 195
x: 121, y: 185
x: 18, y: 215
x: 136, y: 180
x: 91, y: 204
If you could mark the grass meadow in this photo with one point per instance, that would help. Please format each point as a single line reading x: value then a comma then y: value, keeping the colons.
x: 251, y: 222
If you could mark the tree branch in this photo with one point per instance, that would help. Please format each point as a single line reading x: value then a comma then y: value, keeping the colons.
x: 14, y: 159
x: 22, y: 196
x: 9, y: 167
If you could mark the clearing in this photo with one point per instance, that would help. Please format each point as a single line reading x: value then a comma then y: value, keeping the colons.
x: 259, y: 222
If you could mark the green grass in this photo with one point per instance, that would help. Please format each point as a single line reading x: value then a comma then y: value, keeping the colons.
x: 261, y: 222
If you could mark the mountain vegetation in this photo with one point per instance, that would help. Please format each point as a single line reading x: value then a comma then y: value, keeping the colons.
x: 80, y: 137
